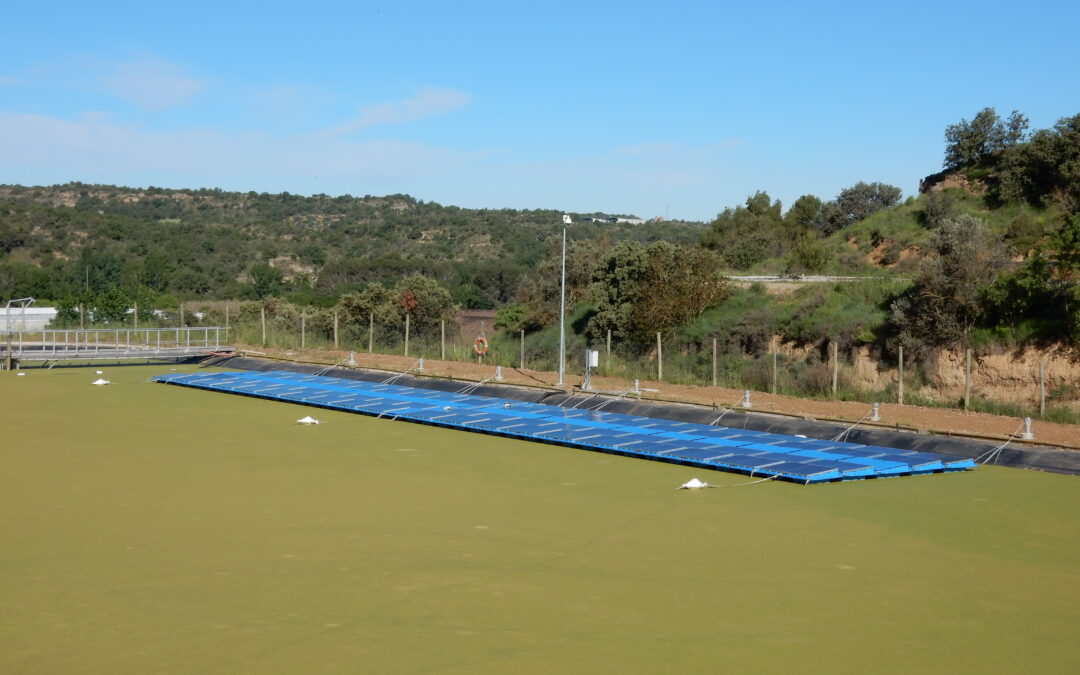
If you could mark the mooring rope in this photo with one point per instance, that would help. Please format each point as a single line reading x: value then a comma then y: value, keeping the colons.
x: 585, y: 400
x: 726, y: 411
x: 470, y: 388
x: 753, y: 482
x: 323, y: 371
x: 996, y: 451
x: 395, y: 378
x: 622, y: 395
x: 847, y: 431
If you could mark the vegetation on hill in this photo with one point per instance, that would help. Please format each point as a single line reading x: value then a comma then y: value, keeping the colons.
x: 989, y: 251
x: 83, y: 240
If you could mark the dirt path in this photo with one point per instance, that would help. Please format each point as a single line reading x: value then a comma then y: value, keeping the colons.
x: 934, y: 420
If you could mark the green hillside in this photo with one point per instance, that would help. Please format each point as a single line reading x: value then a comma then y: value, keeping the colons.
x: 202, y: 244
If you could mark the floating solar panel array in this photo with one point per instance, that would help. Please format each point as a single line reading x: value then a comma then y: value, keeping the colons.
x: 755, y: 453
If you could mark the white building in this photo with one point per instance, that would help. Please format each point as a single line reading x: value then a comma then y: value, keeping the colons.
x: 30, y: 318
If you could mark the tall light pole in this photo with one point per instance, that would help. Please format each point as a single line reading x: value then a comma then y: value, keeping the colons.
x: 562, y: 306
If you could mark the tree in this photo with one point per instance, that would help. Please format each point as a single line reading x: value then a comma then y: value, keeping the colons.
x: 938, y: 206
x: 266, y: 281
x: 426, y: 301
x: 971, y: 143
x: 748, y: 234
x: 945, y: 302
x: 1046, y: 169
x: 803, y: 216
x: 373, y: 299
x: 857, y: 202
x: 540, y: 291
x: 807, y: 255
x: 639, y: 290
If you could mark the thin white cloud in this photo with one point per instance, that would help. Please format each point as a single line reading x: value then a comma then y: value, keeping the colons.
x: 428, y: 102
x: 36, y: 149
x: 150, y: 83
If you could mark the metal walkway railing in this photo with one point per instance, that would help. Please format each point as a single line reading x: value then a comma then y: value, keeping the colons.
x: 112, y: 344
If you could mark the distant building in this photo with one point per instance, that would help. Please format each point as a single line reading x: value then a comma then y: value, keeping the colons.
x: 604, y: 218
x: 31, y: 318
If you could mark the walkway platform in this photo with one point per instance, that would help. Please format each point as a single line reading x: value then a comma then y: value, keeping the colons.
x: 113, y: 344
x: 753, y: 453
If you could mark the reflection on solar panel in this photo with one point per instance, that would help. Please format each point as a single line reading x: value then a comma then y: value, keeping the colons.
x: 738, y: 450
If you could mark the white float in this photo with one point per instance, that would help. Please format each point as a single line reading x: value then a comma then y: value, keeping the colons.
x: 693, y: 484
x: 307, y: 420
x: 101, y: 381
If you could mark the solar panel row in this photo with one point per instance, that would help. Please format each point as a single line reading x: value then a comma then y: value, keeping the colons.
x: 753, y: 452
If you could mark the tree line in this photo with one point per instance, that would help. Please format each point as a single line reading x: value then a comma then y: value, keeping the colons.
x: 107, y: 249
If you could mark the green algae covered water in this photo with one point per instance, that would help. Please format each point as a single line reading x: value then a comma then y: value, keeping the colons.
x: 147, y: 528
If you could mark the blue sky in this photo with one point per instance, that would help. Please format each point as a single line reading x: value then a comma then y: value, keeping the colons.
x: 677, y: 109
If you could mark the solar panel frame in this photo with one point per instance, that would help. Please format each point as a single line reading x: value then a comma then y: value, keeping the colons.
x: 756, y: 452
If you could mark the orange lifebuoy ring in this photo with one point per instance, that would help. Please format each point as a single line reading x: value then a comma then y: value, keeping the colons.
x: 480, y: 346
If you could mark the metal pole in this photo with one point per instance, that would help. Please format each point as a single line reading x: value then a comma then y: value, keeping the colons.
x: 967, y: 379
x: 226, y: 315
x: 406, y: 334
x: 336, y: 343
x: 900, y: 378
x: 835, y: 367
x: 442, y: 339
x: 262, y: 317
x: 562, y: 308
x: 136, y: 315
x: 714, y: 362
x: 774, y: 372
x: 659, y: 359
x: 523, y: 349
x: 608, y: 362
x: 1042, y: 391
x: 303, y: 330
x: 371, y: 333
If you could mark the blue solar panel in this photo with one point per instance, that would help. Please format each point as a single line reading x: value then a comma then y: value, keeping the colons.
x: 700, y: 453
x: 757, y: 452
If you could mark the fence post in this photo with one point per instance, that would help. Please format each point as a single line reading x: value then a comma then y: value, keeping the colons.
x: 336, y: 343
x: 442, y: 339
x: 900, y: 378
x: 262, y: 316
x: 967, y: 378
x: 1042, y: 391
x: 835, y: 367
x: 659, y: 359
x: 182, y: 321
x: 371, y: 333
x: 774, y: 373
x: 523, y: 349
x: 303, y: 330
x: 406, y: 333
x: 136, y: 315
x: 608, y: 362
x: 714, y: 362
x: 226, y: 316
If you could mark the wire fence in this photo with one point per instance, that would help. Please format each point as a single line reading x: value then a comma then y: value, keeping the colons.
x: 824, y: 372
